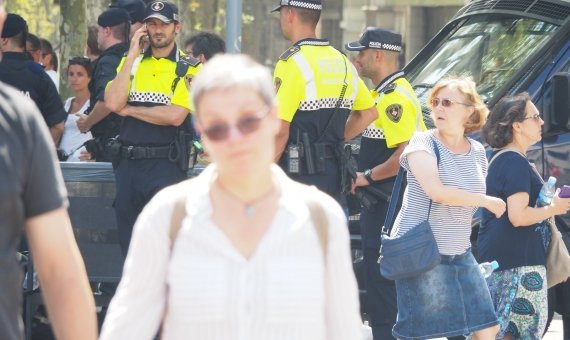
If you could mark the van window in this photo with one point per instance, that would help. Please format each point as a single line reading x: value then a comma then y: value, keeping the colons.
x: 489, y: 50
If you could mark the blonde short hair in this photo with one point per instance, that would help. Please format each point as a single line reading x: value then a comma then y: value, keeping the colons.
x: 468, y: 88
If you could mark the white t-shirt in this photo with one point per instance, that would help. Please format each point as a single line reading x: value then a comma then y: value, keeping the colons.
x: 72, y: 138
x: 54, y: 77
x: 205, y: 288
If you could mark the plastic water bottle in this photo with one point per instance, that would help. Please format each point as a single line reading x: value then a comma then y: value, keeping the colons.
x: 487, y: 268
x: 547, y: 192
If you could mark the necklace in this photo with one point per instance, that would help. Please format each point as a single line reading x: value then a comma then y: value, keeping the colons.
x: 249, y: 208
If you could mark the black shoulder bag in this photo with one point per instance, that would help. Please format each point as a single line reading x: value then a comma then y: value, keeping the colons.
x: 416, y: 251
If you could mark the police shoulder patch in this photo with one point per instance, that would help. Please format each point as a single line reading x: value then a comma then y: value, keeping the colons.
x: 394, y: 112
x: 289, y: 52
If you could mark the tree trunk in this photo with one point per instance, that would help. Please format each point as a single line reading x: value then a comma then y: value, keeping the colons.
x: 73, y: 37
x: 93, y: 8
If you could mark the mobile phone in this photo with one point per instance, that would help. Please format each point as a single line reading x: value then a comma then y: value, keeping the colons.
x: 564, y: 192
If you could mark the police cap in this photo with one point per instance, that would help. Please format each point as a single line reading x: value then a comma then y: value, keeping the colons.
x: 135, y: 8
x: 378, y: 38
x: 162, y: 10
x: 113, y: 17
x: 316, y: 5
x: 14, y: 25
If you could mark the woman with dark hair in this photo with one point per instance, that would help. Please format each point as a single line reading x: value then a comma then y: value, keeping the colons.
x: 78, y: 75
x: 518, y: 288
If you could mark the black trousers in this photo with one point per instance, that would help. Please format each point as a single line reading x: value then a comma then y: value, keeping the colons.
x: 380, y: 304
x: 137, y: 181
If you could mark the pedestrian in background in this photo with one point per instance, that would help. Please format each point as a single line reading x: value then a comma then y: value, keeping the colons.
x: 247, y: 262
x: 33, y: 203
x: 317, y: 89
x: 518, y: 287
x: 452, y: 298
x: 79, y: 72
x: 382, y: 143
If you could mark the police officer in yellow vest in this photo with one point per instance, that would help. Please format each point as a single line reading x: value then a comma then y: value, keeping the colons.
x: 151, y: 93
x: 399, y: 116
x: 317, y: 87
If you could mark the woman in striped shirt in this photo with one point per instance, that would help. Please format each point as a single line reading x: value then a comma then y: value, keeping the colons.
x: 451, y: 299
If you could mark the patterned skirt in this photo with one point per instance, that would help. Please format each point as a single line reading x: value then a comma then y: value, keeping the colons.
x: 520, y: 300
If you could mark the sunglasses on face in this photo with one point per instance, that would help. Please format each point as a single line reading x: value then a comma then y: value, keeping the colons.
x: 445, y: 102
x: 536, y: 117
x: 245, y: 125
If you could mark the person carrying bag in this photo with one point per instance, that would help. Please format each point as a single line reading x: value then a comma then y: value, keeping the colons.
x: 440, y: 290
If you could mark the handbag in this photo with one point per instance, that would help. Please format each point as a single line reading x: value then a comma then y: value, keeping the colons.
x: 557, y: 256
x: 414, y: 252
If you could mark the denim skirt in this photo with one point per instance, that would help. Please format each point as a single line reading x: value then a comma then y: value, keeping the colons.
x: 449, y: 300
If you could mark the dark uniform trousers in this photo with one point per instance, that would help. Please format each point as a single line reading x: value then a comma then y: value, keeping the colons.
x: 137, y: 182
x: 380, y: 302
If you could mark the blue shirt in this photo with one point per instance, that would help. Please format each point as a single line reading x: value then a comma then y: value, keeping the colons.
x: 499, y: 240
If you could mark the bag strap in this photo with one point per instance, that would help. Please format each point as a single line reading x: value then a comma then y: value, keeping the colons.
x: 178, y: 214
x: 502, y: 151
x: 395, y: 197
x: 320, y: 222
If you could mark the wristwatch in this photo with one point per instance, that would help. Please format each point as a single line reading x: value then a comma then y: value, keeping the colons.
x: 368, y: 176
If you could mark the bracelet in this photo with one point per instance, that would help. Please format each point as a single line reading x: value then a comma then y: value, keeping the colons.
x: 368, y: 176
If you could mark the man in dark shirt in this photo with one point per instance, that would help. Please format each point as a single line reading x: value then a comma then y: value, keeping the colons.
x: 33, y: 200
x: 18, y: 70
x: 113, y: 32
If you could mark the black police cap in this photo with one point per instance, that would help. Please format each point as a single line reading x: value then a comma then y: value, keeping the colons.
x: 113, y: 17
x: 164, y: 11
x: 135, y: 8
x: 377, y: 38
x: 316, y: 5
x: 14, y: 25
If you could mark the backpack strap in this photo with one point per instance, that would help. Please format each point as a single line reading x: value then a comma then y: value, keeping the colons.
x: 320, y: 223
x: 178, y: 214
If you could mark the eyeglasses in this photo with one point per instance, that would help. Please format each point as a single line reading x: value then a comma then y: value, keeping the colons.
x: 536, y: 117
x: 445, y: 102
x: 245, y: 125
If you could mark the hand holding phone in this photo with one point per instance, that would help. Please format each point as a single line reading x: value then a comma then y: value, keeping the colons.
x: 564, y: 192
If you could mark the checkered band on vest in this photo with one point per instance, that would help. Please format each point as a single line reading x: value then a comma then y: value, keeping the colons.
x: 314, y: 43
x: 306, y: 5
x: 373, y: 132
x: 149, y: 97
x: 325, y: 103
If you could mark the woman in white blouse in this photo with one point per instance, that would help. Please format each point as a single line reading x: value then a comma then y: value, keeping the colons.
x: 78, y: 74
x: 247, y: 262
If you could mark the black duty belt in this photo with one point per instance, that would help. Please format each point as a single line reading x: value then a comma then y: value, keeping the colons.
x: 144, y: 152
x: 330, y: 152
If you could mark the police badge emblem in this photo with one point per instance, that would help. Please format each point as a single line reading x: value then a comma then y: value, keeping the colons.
x: 394, y: 112
x: 278, y: 82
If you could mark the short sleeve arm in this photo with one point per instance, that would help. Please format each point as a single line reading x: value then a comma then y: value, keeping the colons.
x: 420, y: 141
x: 51, y: 106
x: 398, y: 126
x: 106, y: 71
x: 44, y: 190
x: 363, y: 99
x: 117, y: 70
x: 290, y: 87
x: 516, y: 174
x: 183, y: 92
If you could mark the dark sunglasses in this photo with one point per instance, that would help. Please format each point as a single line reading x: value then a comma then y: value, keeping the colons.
x: 245, y: 125
x: 445, y: 102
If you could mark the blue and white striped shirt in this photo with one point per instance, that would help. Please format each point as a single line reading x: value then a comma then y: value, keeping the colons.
x: 451, y: 225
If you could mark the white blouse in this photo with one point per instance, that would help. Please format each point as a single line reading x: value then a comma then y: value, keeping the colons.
x: 72, y: 138
x: 210, y: 291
